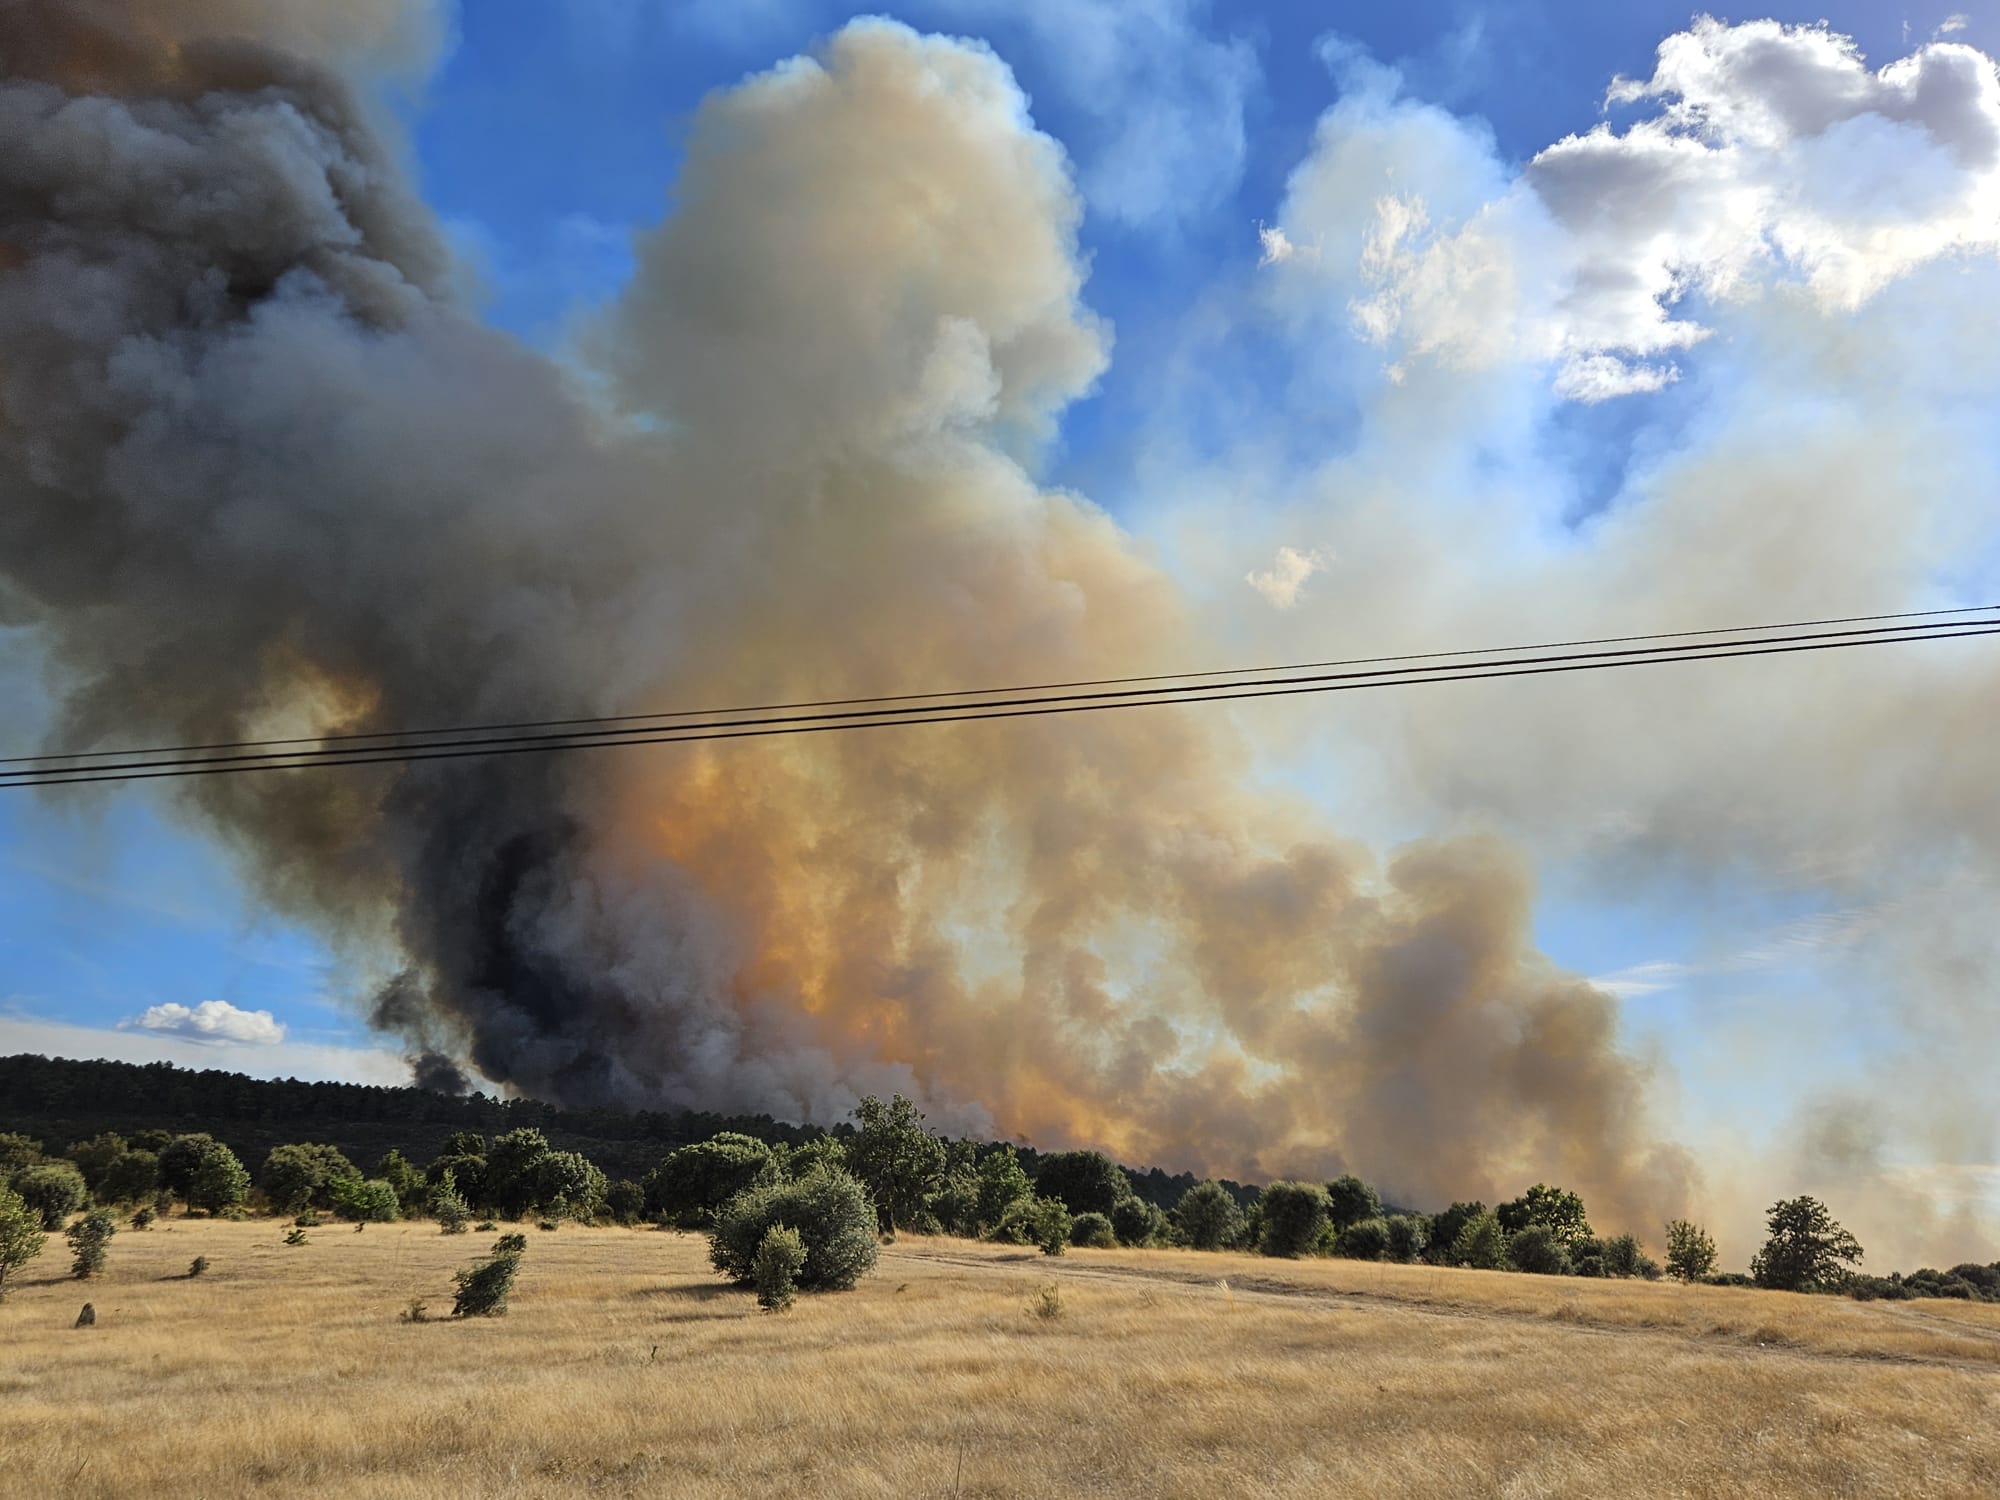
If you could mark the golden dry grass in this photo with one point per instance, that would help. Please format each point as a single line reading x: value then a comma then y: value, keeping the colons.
x: 624, y: 1368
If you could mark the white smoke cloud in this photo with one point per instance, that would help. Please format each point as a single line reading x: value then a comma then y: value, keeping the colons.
x: 211, y: 1021
x: 1281, y: 582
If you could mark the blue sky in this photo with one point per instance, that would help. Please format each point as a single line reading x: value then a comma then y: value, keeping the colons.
x: 551, y: 134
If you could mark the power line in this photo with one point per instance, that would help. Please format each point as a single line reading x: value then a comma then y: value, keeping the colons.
x: 978, y: 711
x: 521, y: 726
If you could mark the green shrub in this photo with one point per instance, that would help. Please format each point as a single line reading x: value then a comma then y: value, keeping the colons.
x: 486, y: 1226
x: 690, y: 1187
x: 624, y: 1201
x: 307, y: 1220
x: 133, y: 1178
x: 53, y: 1189
x: 198, y: 1266
x: 1409, y: 1234
x: 482, y: 1289
x: 829, y: 1210
x: 21, y: 1233
x: 1209, y: 1216
x: 510, y: 1244
x: 1047, y: 1303
x: 1366, y: 1239
x: 203, y: 1173
x: 1441, y: 1243
x: 448, y: 1205
x: 1538, y: 1251
x: 1092, y: 1232
x: 1295, y: 1215
x: 1623, y: 1256
x: 142, y: 1219
x: 301, y: 1176
x: 1482, y: 1243
x: 781, y: 1255
x: 1137, y: 1222
x: 548, y: 1226
x: 369, y: 1200
x: 295, y: 1236
x: 1728, y: 1278
x: 1349, y: 1200
x: 1086, y: 1181
x: 1002, y: 1184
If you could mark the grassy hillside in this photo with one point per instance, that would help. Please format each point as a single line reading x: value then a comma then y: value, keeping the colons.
x: 627, y: 1368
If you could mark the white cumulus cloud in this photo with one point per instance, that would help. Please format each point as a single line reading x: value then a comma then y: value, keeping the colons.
x: 211, y: 1021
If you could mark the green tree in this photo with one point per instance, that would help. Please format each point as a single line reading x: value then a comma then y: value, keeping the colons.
x: 203, y: 1173
x: 1349, y: 1200
x: 829, y: 1210
x: 301, y: 1176
x: 692, y: 1184
x: 1445, y: 1229
x: 1137, y: 1222
x: 567, y: 1182
x: 1481, y: 1243
x: 412, y: 1191
x: 897, y: 1160
x: 625, y: 1201
x: 1554, y: 1209
x: 133, y: 1178
x: 95, y: 1156
x: 1366, y: 1240
x: 1092, y: 1232
x: 1807, y: 1250
x: 820, y: 1151
x: 1087, y: 1182
x: 90, y: 1241
x: 1536, y: 1250
x: 1690, y: 1252
x: 512, y: 1184
x: 483, y: 1289
x: 448, y: 1206
x: 53, y: 1189
x: 467, y: 1169
x: 1295, y: 1215
x: 370, y: 1200
x: 16, y: 1152
x: 21, y: 1234
x: 1002, y: 1183
x: 1209, y: 1216
x: 1408, y: 1235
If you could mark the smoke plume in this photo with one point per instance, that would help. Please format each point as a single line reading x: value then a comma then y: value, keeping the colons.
x: 260, y: 472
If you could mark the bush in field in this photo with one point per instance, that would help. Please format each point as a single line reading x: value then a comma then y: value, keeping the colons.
x: 1554, y: 1209
x: 1087, y: 1182
x: 198, y: 1266
x: 897, y: 1160
x: 1209, y: 1216
x: 1408, y: 1235
x: 1030, y: 1221
x: 482, y: 1289
x: 1002, y: 1184
x: 1092, y: 1232
x: 21, y: 1234
x: 295, y: 1236
x: 1441, y: 1242
x: 625, y: 1201
x: 53, y: 1189
x: 1690, y: 1252
x: 1137, y: 1222
x: 830, y: 1211
x: 1349, y: 1200
x: 1807, y: 1250
x: 692, y: 1184
x: 781, y: 1255
x: 368, y: 1200
x: 133, y: 1178
x: 1538, y: 1251
x: 569, y: 1185
x: 1624, y: 1256
x: 89, y: 1242
x: 143, y: 1219
x: 1295, y: 1214
x: 1481, y: 1244
x: 94, y: 1158
x: 302, y: 1176
x: 203, y: 1173
x: 448, y: 1206
x: 412, y: 1191
x: 1366, y: 1239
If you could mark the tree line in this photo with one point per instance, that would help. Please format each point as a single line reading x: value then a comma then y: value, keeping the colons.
x: 883, y: 1173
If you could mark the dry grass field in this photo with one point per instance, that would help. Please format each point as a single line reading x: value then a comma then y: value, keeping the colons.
x: 625, y: 1368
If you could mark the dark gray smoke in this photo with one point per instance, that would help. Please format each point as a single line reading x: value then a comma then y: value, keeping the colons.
x: 260, y: 473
